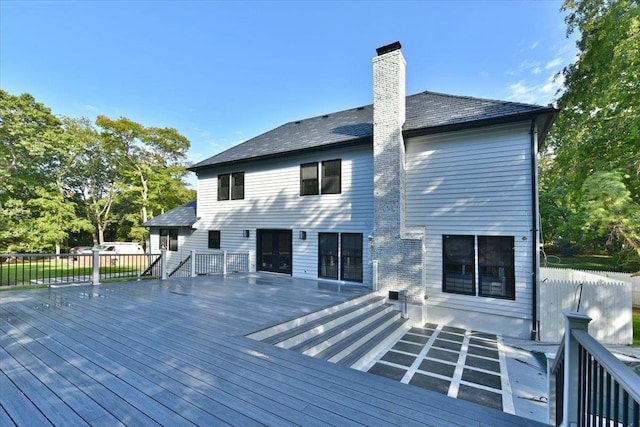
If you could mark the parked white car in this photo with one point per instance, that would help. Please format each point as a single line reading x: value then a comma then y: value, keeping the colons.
x: 120, y: 248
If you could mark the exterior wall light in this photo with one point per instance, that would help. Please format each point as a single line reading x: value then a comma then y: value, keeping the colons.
x: 303, y: 235
x: 246, y: 233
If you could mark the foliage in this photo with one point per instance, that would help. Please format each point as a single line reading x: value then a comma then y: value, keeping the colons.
x: 61, y: 178
x: 151, y: 162
x: 590, y: 188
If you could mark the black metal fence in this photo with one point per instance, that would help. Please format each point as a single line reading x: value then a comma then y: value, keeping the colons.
x: 64, y: 269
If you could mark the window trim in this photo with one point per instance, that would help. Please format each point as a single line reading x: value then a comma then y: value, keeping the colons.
x: 230, y: 191
x: 343, y: 257
x: 313, y: 182
x: 509, y: 269
x: 337, y: 178
x: 321, y: 184
x: 237, y: 191
x: 334, y: 257
x: 171, y: 239
x: 224, y: 190
x: 445, y: 288
x: 478, y: 289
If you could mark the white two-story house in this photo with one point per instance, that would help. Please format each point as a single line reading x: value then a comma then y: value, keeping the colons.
x: 431, y: 193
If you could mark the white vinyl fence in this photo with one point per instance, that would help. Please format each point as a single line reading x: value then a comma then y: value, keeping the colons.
x: 608, y: 301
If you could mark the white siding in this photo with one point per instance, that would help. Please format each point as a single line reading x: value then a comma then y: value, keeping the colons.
x: 473, y: 182
x: 272, y: 201
x: 185, y: 245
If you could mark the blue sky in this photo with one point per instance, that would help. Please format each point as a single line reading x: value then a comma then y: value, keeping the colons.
x: 223, y: 72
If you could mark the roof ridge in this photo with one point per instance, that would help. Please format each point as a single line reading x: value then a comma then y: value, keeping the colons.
x: 449, y: 95
x: 476, y: 98
x: 362, y: 107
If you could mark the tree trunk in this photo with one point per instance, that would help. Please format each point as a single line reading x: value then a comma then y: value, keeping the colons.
x: 635, y: 245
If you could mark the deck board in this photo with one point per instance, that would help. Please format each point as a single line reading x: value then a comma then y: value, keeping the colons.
x: 173, y: 353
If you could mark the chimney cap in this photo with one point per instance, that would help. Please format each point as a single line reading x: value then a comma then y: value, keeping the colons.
x: 388, y: 48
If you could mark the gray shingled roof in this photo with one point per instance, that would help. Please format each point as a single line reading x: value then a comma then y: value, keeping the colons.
x: 182, y: 216
x: 426, y: 110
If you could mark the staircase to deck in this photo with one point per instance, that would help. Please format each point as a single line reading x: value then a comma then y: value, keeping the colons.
x: 351, y: 333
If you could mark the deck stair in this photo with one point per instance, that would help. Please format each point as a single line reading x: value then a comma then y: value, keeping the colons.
x: 349, y: 333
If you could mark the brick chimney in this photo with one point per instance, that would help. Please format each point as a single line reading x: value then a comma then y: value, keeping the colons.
x: 398, y: 252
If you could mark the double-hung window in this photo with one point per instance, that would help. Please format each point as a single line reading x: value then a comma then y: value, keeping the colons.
x: 231, y: 186
x: 329, y: 181
x: 331, y: 170
x: 478, y: 265
x: 309, y: 179
x: 169, y: 239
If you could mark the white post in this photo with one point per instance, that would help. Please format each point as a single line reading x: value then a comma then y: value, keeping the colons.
x: 163, y: 264
x: 551, y: 389
x: 193, y: 264
x: 374, y: 275
x: 575, y: 321
x: 95, y: 270
x: 224, y: 262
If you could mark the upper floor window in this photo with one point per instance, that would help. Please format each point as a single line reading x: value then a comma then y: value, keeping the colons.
x: 237, y: 186
x: 308, y: 179
x: 231, y: 186
x: 329, y: 181
x: 331, y: 171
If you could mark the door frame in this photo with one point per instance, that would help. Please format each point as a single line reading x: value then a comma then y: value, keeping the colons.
x: 276, y: 233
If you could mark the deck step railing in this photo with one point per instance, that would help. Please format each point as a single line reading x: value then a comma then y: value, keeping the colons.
x: 183, y: 269
x: 588, y: 385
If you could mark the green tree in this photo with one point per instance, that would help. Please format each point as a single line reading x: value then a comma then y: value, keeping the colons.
x: 595, y: 140
x: 151, y: 161
x: 31, y: 138
x: 93, y: 177
x: 28, y: 134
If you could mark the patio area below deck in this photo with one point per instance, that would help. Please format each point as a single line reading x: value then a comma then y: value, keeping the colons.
x: 174, y: 353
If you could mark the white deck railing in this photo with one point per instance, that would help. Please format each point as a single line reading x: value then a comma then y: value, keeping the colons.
x: 222, y: 262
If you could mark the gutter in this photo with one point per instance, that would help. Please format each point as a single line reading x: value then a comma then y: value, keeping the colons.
x: 534, y: 229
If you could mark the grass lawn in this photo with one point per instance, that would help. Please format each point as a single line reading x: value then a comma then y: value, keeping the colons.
x: 45, y: 271
x: 587, y: 262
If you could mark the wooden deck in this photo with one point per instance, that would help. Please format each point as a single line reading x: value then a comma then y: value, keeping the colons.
x: 174, y: 353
